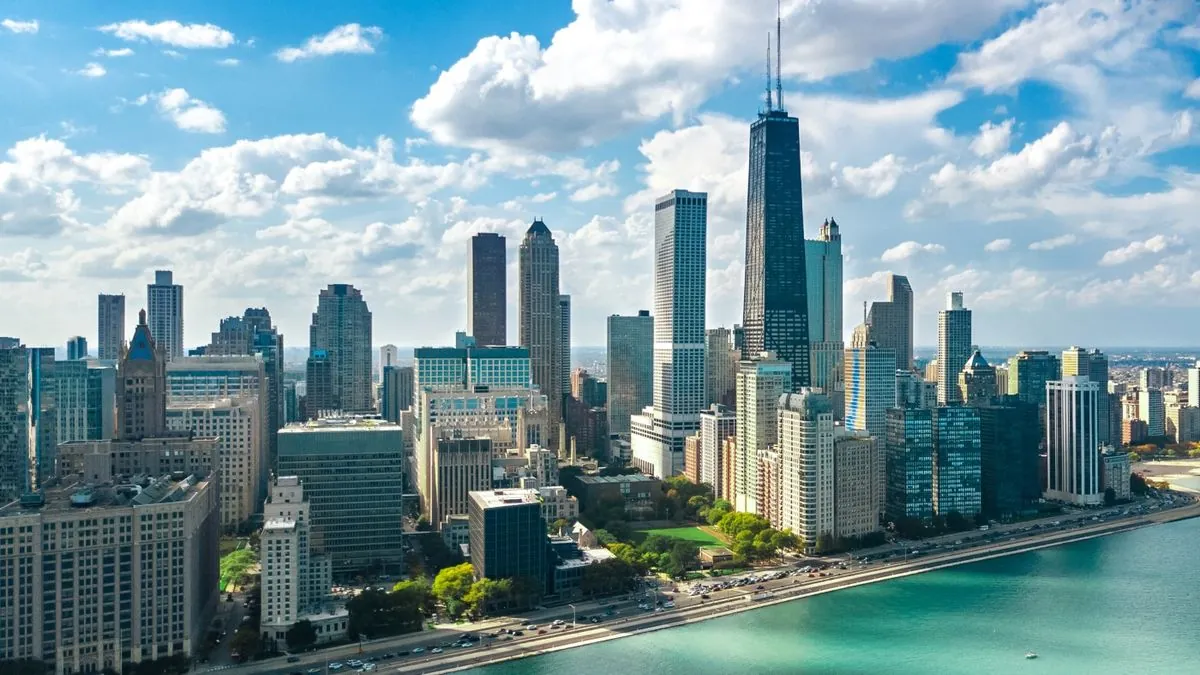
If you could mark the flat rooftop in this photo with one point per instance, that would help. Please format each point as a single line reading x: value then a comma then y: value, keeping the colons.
x: 627, y: 478
x: 279, y: 524
x: 80, y: 497
x: 341, y: 424
x: 491, y: 499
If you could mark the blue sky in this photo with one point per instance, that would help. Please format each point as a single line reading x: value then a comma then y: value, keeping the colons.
x: 1039, y: 156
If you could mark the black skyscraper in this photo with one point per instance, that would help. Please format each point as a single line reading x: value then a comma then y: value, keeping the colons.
x: 775, y: 305
x: 486, y: 286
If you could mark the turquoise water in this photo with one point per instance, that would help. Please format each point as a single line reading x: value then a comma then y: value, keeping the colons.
x: 1119, y: 604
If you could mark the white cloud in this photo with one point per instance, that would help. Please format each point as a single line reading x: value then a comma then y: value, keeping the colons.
x: 173, y: 54
x: 351, y: 38
x: 186, y: 36
x: 876, y: 180
x: 908, y: 249
x: 593, y: 191
x: 92, y: 70
x: 17, y: 26
x: 1053, y: 243
x: 1136, y: 249
x: 998, y: 245
x: 1193, y: 89
x: 186, y: 112
x: 113, y: 53
x: 993, y: 139
x: 228, y: 62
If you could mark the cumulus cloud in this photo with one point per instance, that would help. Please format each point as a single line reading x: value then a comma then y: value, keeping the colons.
x: 187, y: 113
x: 908, y: 249
x: 351, y: 38
x: 1193, y: 89
x: 113, y: 53
x: 993, y: 139
x: 1136, y: 249
x: 998, y: 245
x: 92, y: 70
x: 186, y: 36
x: 17, y: 26
x: 876, y: 180
x: 228, y: 62
x: 1053, y: 243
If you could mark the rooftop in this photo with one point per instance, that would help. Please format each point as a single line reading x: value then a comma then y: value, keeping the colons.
x: 346, y: 423
x: 491, y: 499
x: 127, y: 492
x: 279, y: 524
x: 627, y: 478
x: 588, y: 556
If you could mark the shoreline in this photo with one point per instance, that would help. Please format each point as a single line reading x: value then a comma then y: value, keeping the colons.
x: 647, y: 623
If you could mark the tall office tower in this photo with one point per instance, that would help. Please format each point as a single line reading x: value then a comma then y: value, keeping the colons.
x: 1093, y: 365
x: 164, y: 313
x: 110, y: 332
x: 680, y: 265
x: 913, y: 391
x: 823, y: 261
x: 909, y: 464
x: 759, y: 385
x: 508, y: 534
x: 460, y: 466
x: 630, y: 368
x: 237, y: 425
x: 954, y: 347
x: 1072, y: 444
x: 739, y: 339
x: 397, y: 392
x: 77, y: 348
x: 1153, y: 378
x: 807, y: 479
x: 891, y: 321
x: 1193, y: 384
x: 977, y: 380
x: 870, y: 388
x: 319, y: 398
x: 356, y: 527
x: 717, y: 424
x: 71, y: 380
x: 859, y: 469
x: 931, y: 372
x: 564, y: 343
x: 102, y: 401
x: 720, y: 367
x: 1010, y: 474
x: 341, y: 327
x: 1028, y: 373
x: 1152, y: 410
x: 487, y: 286
x: 775, y: 303
x: 539, y: 316
x: 42, y: 417
x: 14, y: 421
x: 104, y: 574
x: 1001, y: 379
x: 142, y: 386
x: 389, y: 355
x: 295, y: 577
x: 956, y: 461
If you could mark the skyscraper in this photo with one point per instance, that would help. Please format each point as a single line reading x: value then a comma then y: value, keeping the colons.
x: 720, y: 367
x: 1072, y: 446
x: 341, y: 327
x: 142, y: 386
x: 954, y: 347
x: 824, y: 266
x: 1077, y: 361
x: 487, y: 288
x: 717, y: 424
x: 1009, y: 473
x: 539, y: 315
x: 110, y: 331
x: 1193, y: 383
x: 254, y: 334
x: 397, y: 392
x: 1028, y: 373
x: 891, y: 321
x: 806, y: 486
x: 870, y: 388
x: 77, y: 348
x: 630, y: 368
x: 775, y: 304
x: 389, y: 355
x: 909, y: 464
x: 164, y: 313
x: 680, y: 266
x: 1151, y: 410
x: 977, y: 380
x: 760, y: 383
x: 564, y: 344
x: 956, y: 461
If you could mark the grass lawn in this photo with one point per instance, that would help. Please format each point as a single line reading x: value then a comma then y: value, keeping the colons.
x: 234, y: 566
x: 688, y: 533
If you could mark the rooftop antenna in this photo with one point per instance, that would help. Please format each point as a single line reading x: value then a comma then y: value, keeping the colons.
x: 779, y: 54
x: 768, y: 71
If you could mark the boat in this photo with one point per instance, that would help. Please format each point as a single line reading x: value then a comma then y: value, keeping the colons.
x: 1030, y: 655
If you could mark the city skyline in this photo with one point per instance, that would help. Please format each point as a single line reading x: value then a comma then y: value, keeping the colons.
x: 931, y: 178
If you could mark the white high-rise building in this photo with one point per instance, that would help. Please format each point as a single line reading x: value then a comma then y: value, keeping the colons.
x: 237, y: 424
x: 954, y: 347
x: 164, y: 313
x: 389, y: 355
x: 760, y: 383
x: 1193, y: 385
x: 1153, y: 411
x: 1072, y: 443
x: 870, y: 388
x: 807, y: 479
x: 716, y: 424
x: 657, y: 436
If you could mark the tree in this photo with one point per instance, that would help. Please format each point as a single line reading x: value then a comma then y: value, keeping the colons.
x: 526, y: 592
x: 452, y: 585
x: 485, y: 594
x: 607, y: 577
x: 301, y: 635
x: 1110, y: 496
x: 681, y: 556
x: 245, y: 642
x: 423, y: 524
x: 605, y: 537
x: 375, y: 613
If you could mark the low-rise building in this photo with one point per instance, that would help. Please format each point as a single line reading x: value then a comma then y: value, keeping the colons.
x: 637, y: 491
x: 557, y: 504
x: 507, y: 534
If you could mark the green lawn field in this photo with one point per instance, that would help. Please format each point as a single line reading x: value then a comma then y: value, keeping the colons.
x: 689, y: 533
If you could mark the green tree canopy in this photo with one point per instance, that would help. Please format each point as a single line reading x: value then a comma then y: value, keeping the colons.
x: 301, y: 635
x: 452, y: 585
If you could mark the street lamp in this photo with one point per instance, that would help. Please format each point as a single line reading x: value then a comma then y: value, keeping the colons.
x: 573, y: 624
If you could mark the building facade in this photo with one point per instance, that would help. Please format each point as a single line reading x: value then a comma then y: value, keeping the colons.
x: 110, y: 329
x: 396, y: 392
x: 909, y: 464
x: 977, y: 381
x: 630, y: 368
x: 956, y: 461
x: 487, y: 289
x: 759, y: 385
x: 341, y: 328
x: 237, y: 424
x: 720, y: 367
x: 1072, y: 445
x: 717, y: 424
x: 1010, y: 473
x: 954, y: 347
x: 807, y: 478
x: 1028, y: 373
x: 870, y: 388
x: 164, y: 312
x: 508, y: 534
x: 540, y: 323
x: 891, y: 321
x: 859, y: 469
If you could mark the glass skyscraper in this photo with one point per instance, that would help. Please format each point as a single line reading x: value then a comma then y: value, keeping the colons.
x: 956, y: 461
x: 775, y: 302
x: 487, y: 307
x: 630, y: 368
x: 909, y: 464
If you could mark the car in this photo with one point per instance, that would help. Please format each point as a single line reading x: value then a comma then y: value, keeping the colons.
x: 401, y: 654
x: 758, y: 587
x: 418, y: 650
x: 293, y: 659
x: 532, y: 626
x: 336, y: 666
x: 436, y: 650
x: 541, y: 631
x: 314, y: 671
x: 368, y: 667
x: 705, y: 596
x: 519, y: 633
x: 594, y: 619
x: 354, y: 663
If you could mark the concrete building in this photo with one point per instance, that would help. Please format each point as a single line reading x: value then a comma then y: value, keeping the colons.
x: 110, y: 329
x: 1152, y: 410
x: 630, y: 368
x: 508, y: 534
x: 828, y: 373
x: 14, y: 421
x: 1028, y: 373
x: 717, y: 424
x: 768, y: 487
x: 807, y: 476
x: 759, y: 385
x: 1114, y: 473
x: 691, y: 458
x: 557, y: 504
x: 914, y: 391
x: 389, y: 357
x: 237, y: 425
x: 1187, y: 425
x: 977, y: 381
x: 1072, y: 449
x: 164, y: 313
x: 1193, y: 385
x: 71, y: 400
x: 1093, y: 365
x: 870, y: 388
x: 564, y: 345
x: 720, y: 367
x: 540, y: 323
x: 891, y: 321
x: 637, y: 491
x: 487, y: 289
x: 319, y: 398
x: 397, y: 392
x: 1154, y: 378
x: 1010, y: 474
x: 859, y: 469
x: 341, y: 327
x: 460, y: 466
x: 352, y: 472
x: 680, y: 231
x: 954, y: 347
x: 956, y: 461
x: 909, y: 464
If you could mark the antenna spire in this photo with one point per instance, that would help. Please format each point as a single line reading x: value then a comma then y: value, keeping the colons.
x: 769, y: 104
x: 779, y: 54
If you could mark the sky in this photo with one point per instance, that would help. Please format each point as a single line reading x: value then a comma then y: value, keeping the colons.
x: 1040, y: 157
